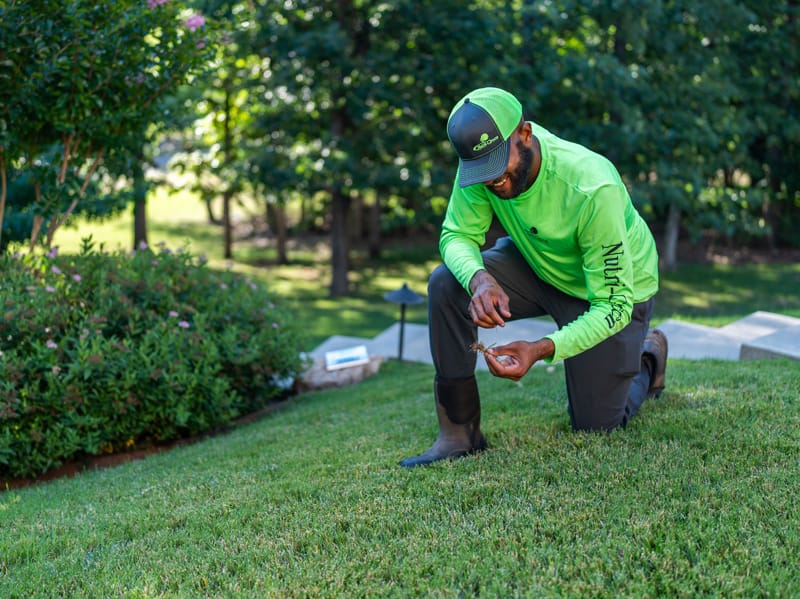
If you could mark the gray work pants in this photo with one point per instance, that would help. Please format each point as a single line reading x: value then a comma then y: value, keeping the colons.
x: 606, y: 384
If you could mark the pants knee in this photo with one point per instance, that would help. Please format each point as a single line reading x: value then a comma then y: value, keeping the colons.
x: 443, y: 286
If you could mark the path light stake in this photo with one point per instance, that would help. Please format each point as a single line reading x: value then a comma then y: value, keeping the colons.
x: 403, y: 296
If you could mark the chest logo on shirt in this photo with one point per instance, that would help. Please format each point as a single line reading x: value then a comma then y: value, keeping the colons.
x: 611, y: 256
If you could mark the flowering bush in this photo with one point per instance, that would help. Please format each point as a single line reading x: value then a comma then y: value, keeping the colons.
x: 100, y: 352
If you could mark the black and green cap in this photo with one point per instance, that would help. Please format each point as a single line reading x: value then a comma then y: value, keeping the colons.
x: 480, y: 128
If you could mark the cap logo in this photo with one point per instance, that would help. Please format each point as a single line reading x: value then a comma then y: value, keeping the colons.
x: 485, y: 141
x: 480, y: 128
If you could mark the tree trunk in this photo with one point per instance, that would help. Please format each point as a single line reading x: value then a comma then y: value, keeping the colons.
x: 340, y: 204
x: 227, y: 158
x: 670, y: 257
x: 770, y: 212
x: 228, y: 227
x: 212, y: 218
x: 374, y: 233
x: 139, y: 203
x: 276, y: 217
x: 356, y: 220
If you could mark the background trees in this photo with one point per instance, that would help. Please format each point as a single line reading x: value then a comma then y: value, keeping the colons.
x: 338, y: 107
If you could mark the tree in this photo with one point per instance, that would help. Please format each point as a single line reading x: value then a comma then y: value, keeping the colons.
x: 765, y: 57
x: 223, y: 113
x: 360, y: 93
x: 650, y: 85
x: 81, y: 80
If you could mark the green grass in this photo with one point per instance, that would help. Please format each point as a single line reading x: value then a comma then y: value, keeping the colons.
x: 177, y: 219
x: 718, y: 294
x: 697, y: 497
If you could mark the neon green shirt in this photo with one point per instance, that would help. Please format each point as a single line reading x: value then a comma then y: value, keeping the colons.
x: 577, y: 228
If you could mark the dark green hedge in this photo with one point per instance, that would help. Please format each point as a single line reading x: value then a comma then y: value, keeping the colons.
x: 100, y: 352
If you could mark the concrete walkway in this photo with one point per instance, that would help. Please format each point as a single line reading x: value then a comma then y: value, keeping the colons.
x: 759, y: 335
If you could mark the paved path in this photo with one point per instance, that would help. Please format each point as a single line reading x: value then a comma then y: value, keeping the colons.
x: 759, y: 335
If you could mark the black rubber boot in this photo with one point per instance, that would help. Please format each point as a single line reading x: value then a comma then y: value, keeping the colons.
x: 458, y: 408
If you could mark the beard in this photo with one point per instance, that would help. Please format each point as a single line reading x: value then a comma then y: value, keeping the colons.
x: 519, y: 176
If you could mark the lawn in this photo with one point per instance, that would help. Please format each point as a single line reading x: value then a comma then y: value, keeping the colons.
x: 697, y: 497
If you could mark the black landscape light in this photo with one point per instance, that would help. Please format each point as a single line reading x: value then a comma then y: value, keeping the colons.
x: 403, y: 296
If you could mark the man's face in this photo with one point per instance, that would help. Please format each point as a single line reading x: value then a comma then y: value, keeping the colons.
x: 516, y: 178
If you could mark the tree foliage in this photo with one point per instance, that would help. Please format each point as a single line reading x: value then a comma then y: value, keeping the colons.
x: 359, y: 95
x: 80, y: 80
x: 346, y: 100
x: 686, y: 98
x: 677, y: 94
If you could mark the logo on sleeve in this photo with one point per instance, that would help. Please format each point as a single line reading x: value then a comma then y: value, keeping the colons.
x: 611, y: 256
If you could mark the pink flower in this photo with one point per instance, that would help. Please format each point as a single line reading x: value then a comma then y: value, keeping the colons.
x: 142, y: 245
x: 183, y: 324
x: 52, y: 344
x: 56, y: 270
x: 76, y: 278
x: 50, y: 289
x: 53, y: 252
x: 195, y: 22
x: 173, y: 314
x: 151, y: 4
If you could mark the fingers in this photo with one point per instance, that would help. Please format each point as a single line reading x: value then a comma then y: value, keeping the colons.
x: 489, y: 304
x: 486, y: 320
x: 502, y: 306
x: 504, y: 366
x: 511, y: 361
x: 485, y: 314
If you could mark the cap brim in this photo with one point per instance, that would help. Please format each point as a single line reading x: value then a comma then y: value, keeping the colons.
x: 486, y: 168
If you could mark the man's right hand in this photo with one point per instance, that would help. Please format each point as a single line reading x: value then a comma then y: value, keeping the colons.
x: 489, y: 304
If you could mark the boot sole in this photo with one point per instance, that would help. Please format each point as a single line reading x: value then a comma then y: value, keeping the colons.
x: 419, y: 460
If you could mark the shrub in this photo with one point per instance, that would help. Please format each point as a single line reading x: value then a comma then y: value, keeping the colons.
x: 101, y: 352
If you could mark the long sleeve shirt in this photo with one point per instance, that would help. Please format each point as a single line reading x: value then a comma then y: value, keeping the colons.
x: 577, y: 228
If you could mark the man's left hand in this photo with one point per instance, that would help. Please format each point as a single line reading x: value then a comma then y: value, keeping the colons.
x: 513, y: 360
